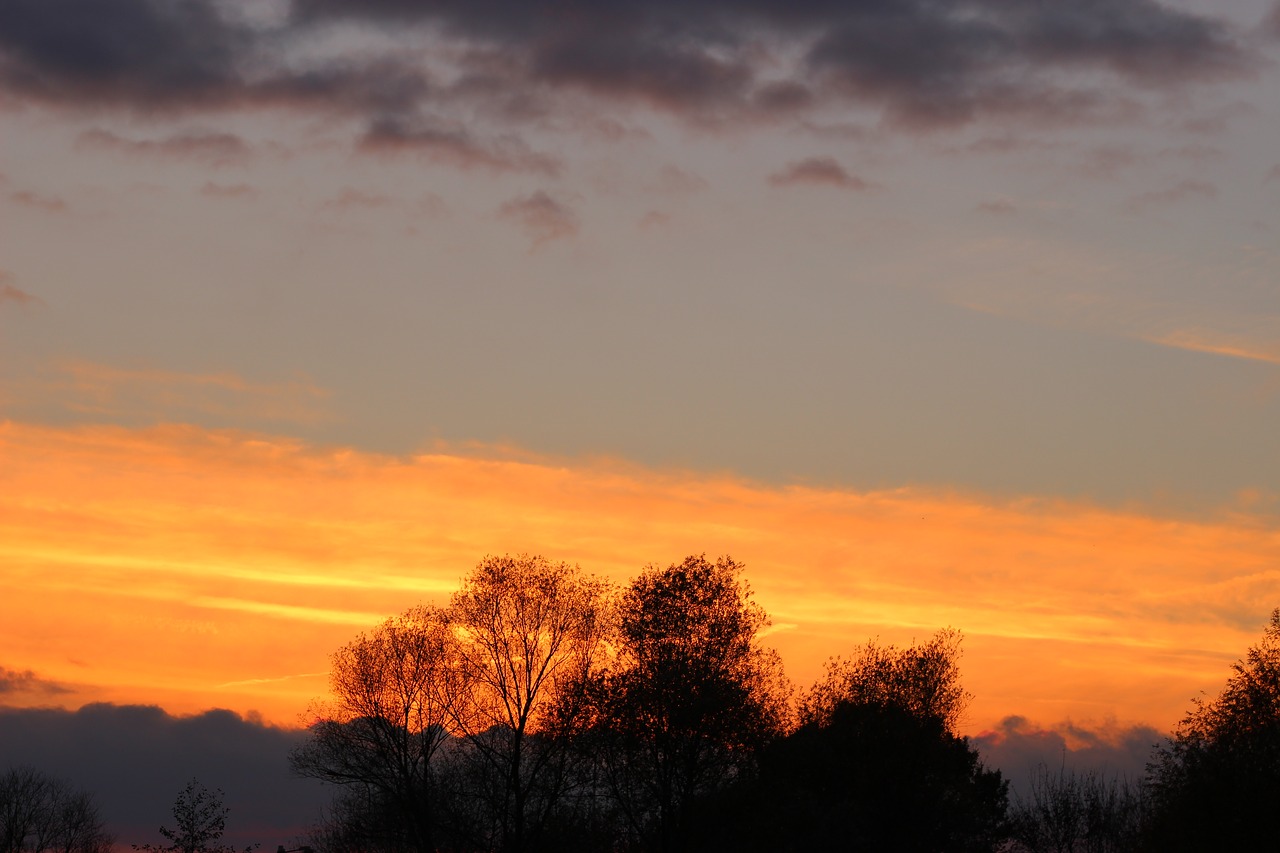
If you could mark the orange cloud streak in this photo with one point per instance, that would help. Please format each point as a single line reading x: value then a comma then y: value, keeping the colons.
x: 197, y: 568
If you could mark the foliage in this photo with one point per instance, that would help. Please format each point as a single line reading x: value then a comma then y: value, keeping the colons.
x: 1216, y: 782
x: 867, y: 777
x: 691, y: 696
x: 199, y: 820
x: 1069, y: 812
x: 922, y: 680
x: 41, y: 814
x: 874, y: 765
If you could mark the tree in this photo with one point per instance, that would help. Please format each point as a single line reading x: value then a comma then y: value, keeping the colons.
x: 874, y: 765
x: 199, y: 818
x: 394, y: 691
x: 922, y: 680
x: 1069, y: 812
x: 528, y: 632
x: 691, y: 697
x: 41, y: 814
x: 1216, y: 782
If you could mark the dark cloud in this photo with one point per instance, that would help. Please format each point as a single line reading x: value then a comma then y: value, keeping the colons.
x: 542, y: 217
x: 1017, y: 746
x: 819, y: 171
x: 925, y: 63
x: 135, y: 759
x: 216, y: 149
x: 153, y: 55
x: 13, y: 681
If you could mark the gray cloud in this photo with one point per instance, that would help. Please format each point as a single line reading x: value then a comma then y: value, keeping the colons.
x: 25, y: 681
x: 455, y: 146
x: 216, y: 149
x: 134, y: 759
x: 1017, y: 746
x: 924, y: 63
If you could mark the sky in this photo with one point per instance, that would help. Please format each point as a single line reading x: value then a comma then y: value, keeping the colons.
x: 932, y: 314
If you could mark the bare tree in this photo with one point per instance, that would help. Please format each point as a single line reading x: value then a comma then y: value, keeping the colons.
x: 41, y: 814
x: 528, y: 633
x: 394, y: 691
x: 199, y: 817
x: 1070, y: 812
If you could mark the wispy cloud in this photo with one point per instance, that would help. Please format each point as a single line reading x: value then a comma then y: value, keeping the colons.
x: 1218, y: 343
x: 39, y: 201
x: 818, y: 171
x: 248, y: 682
x: 14, y: 295
x: 542, y: 217
x: 242, y: 192
x: 1070, y: 610
x: 98, y: 390
x: 214, y: 148
x: 27, y: 682
x: 1180, y: 192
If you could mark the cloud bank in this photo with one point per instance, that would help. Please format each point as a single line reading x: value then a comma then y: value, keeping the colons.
x: 134, y: 759
x: 921, y: 64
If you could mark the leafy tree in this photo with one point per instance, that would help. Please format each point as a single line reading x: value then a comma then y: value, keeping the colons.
x: 874, y: 765
x: 690, y: 698
x: 41, y: 814
x: 528, y: 633
x: 1216, y: 782
x: 199, y: 817
x: 394, y: 690
x: 922, y: 680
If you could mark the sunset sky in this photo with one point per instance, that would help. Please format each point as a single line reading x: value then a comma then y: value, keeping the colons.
x: 931, y: 313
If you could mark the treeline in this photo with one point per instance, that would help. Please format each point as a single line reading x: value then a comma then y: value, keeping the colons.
x: 543, y: 710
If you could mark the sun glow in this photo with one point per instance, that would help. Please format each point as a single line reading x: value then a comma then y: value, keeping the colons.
x: 195, y: 568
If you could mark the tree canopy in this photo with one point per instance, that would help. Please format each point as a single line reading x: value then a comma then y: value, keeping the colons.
x: 1215, y: 784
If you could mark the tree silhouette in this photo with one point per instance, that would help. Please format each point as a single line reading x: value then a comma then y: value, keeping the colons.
x: 41, y: 814
x: 691, y: 697
x: 1070, y: 812
x: 394, y: 690
x: 874, y: 765
x: 922, y: 680
x: 199, y: 818
x: 1216, y: 782
x: 528, y: 634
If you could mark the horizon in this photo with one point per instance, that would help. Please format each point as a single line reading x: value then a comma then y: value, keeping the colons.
x: 932, y: 315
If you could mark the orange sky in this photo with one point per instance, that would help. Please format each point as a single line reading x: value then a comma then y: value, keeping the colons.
x: 195, y: 568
